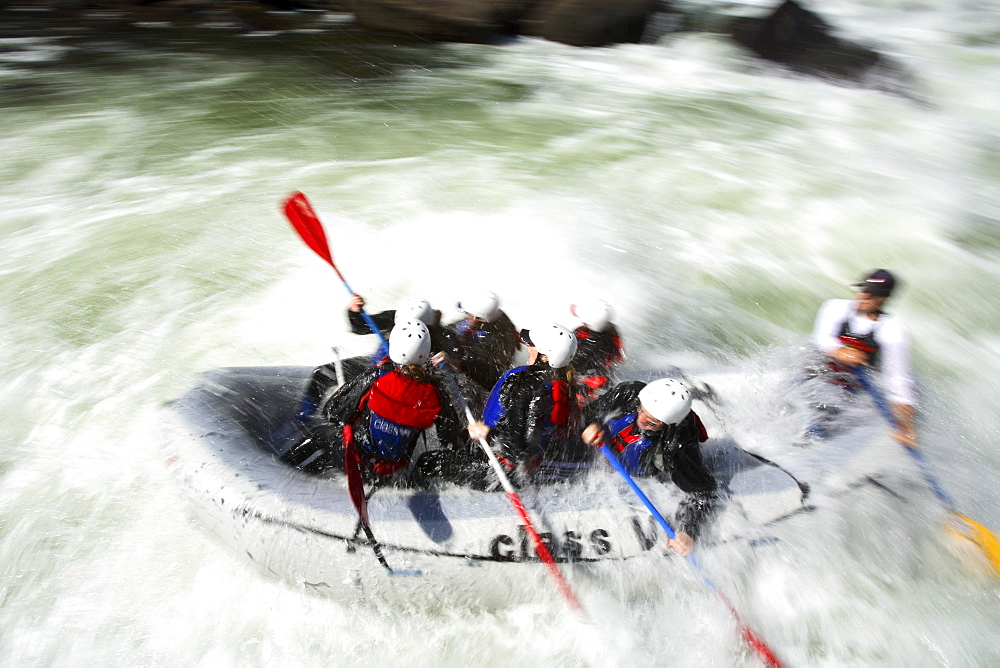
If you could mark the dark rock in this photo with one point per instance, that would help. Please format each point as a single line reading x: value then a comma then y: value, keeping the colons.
x: 590, y: 22
x: 802, y: 40
x: 476, y: 21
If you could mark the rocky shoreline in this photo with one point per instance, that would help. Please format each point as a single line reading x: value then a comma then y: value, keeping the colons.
x: 790, y: 34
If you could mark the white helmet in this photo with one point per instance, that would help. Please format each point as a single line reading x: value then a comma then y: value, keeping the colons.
x: 409, y: 343
x: 667, y: 399
x: 595, y: 313
x: 415, y: 308
x: 483, y: 304
x: 555, y: 342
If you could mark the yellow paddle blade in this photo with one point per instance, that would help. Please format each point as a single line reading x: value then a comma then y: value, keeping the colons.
x: 975, y: 541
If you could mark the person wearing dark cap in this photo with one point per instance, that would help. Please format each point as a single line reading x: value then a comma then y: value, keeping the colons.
x: 858, y: 332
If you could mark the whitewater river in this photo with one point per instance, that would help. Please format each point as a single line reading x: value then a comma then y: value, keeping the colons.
x: 714, y: 200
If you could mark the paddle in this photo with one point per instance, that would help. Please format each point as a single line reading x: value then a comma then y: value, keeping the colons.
x: 749, y: 635
x: 306, y: 223
x: 356, y: 490
x: 960, y: 525
x: 302, y: 217
x: 540, y: 548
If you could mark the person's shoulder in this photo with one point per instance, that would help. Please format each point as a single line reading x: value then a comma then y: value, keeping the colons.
x: 833, y: 310
x: 836, y: 304
x: 515, y: 372
x: 505, y: 323
x: 892, y: 328
x: 627, y: 391
x: 630, y: 385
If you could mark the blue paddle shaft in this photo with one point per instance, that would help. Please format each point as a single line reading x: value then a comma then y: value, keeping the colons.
x: 922, y: 464
x: 618, y: 466
x: 754, y: 640
x: 371, y: 323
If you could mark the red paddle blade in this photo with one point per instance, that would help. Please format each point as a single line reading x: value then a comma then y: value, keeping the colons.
x: 352, y: 467
x: 302, y: 217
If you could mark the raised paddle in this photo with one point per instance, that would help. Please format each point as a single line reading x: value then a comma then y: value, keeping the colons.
x: 959, y: 525
x: 540, y: 548
x: 302, y: 217
x: 752, y: 639
x: 306, y: 223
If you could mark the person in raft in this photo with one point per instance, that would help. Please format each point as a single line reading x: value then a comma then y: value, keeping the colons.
x: 599, y: 348
x: 376, y: 418
x: 487, y: 339
x: 532, y: 415
x: 654, y: 432
x: 858, y: 332
x: 325, y: 378
x: 412, y: 308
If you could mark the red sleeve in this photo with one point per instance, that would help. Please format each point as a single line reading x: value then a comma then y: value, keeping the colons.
x: 702, y: 432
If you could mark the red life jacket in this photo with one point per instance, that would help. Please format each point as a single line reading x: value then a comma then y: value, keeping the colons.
x: 866, y: 343
x: 404, y: 400
x: 395, y: 410
x: 560, y: 403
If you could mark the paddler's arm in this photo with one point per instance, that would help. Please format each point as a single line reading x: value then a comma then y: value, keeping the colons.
x: 384, y: 320
x: 900, y: 388
x: 690, y: 473
x: 826, y: 329
x: 693, y: 512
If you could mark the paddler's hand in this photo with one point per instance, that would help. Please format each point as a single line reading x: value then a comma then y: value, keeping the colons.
x: 440, y: 358
x: 355, y: 304
x: 905, y: 437
x: 682, y: 545
x: 478, y: 430
x: 850, y: 356
x: 904, y: 431
x: 593, y: 435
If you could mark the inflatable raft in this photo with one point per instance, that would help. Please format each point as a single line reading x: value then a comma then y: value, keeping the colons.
x: 226, y: 435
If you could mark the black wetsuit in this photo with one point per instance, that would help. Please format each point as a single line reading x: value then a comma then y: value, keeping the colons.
x: 536, y: 422
x: 351, y: 405
x: 596, y: 355
x: 442, y: 339
x: 486, y: 349
x: 324, y: 377
x: 673, y: 453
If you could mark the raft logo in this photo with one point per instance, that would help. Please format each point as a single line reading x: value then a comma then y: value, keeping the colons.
x: 571, y: 545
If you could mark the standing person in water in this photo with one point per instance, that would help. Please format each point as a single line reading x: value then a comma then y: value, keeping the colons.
x: 532, y: 415
x: 858, y: 332
x: 654, y: 432
x: 375, y: 419
x: 599, y: 348
x: 487, y: 339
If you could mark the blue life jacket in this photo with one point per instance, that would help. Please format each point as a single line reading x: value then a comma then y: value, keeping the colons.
x: 629, y: 443
x: 462, y: 328
x: 551, y: 420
